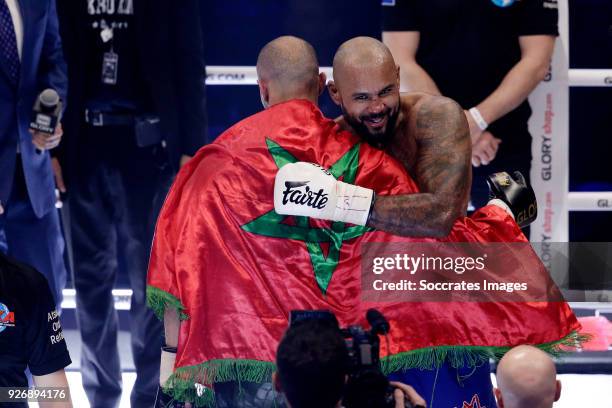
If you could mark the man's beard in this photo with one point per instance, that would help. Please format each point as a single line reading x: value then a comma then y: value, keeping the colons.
x: 375, y: 139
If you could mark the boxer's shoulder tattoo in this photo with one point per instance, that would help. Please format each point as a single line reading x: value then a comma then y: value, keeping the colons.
x: 442, y: 170
x: 444, y: 146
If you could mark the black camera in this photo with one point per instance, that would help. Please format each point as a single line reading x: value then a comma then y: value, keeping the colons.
x: 367, y: 386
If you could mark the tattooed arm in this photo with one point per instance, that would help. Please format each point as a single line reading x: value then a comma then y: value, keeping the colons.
x: 442, y: 171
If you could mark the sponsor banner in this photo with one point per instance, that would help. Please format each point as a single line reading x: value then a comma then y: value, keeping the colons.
x: 486, y: 272
x: 549, y: 126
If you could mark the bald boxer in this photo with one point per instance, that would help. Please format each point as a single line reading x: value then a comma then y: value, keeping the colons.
x: 428, y: 134
x: 287, y: 68
x: 526, y: 377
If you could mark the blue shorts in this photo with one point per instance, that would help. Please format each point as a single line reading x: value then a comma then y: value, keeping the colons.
x: 448, y: 387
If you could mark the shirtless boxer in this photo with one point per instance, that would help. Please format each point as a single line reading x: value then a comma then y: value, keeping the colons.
x: 427, y: 134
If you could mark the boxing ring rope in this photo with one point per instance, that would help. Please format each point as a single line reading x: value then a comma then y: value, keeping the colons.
x: 247, y: 75
x: 590, y: 201
x: 121, y: 297
x: 239, y: 75
x: 590, y: 77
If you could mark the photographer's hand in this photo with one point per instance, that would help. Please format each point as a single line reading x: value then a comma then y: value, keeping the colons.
x: 403, y: 392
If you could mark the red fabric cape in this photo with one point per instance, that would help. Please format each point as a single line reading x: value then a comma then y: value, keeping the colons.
x: 236, y: 269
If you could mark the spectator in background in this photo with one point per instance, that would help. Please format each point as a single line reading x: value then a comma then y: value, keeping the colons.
x: 30, y: 333
x: 31, y: 60
x: 488, y: 55
x: 137, y: 113
x: 526, y: 377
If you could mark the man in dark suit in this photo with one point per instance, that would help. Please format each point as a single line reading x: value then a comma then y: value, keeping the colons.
x: 136, y: 113
x: 31, y: 60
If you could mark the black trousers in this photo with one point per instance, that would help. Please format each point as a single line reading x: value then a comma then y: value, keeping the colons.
x: 36, y: 241
x: 114, y: 199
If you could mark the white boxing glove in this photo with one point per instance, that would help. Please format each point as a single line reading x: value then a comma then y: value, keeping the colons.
x: 307, y: 189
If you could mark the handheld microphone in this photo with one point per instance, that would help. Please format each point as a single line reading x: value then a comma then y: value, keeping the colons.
x: 46, y: 112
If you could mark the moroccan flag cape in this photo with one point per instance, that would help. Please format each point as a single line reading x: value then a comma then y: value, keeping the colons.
x: 234, y: 269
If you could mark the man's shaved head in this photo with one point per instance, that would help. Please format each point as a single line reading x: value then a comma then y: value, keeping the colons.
x: 366, y: 87
x: 526, y: 377
x: 359, y: 53
x: 289, y: 66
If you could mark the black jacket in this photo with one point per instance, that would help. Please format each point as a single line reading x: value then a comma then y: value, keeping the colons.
x: 170, y: 52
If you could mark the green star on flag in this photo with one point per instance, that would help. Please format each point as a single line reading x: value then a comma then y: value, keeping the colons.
x: 272, y: 224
